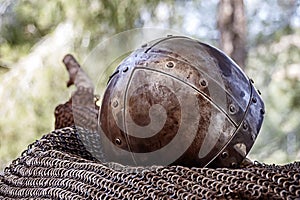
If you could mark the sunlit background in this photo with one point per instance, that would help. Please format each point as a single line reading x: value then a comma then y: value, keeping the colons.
x: 35, y: 35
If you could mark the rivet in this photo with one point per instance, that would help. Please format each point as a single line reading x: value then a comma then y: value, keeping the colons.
x: 203, y: 82
x: 98, y: 103
x: 115, y: 103
x: 125, y: 69
x: 144, y: 45
x: 251, y: 80
x: 262, y: 111
x: 245, y: 126
x: 254, y: 100
x: 232, y: 109
x: 224, y: 154
x: 169, y: 35
x: 118, y: 141
x: 233, y: 164
x: 170, y: 64
x: 258, y: 91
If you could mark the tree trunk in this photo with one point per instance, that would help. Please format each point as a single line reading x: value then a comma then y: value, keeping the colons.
x: 232, y: 27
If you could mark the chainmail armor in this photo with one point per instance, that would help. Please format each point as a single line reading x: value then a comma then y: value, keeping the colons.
x: 59, y: 167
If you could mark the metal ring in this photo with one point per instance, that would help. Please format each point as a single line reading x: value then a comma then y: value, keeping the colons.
x: 170, y: 64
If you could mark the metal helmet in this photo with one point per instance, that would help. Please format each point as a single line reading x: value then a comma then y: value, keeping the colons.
x: 177, y: 101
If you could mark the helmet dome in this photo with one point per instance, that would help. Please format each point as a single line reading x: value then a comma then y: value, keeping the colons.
x: 179, y: 101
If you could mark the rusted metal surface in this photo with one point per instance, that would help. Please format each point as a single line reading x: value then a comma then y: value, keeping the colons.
x: 179, y: 101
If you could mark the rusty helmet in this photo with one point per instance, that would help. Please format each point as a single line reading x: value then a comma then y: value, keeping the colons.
x: 177, y: 101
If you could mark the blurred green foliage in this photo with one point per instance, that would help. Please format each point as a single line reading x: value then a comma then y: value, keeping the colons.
x: 35, y: 35
x: 275, y: 67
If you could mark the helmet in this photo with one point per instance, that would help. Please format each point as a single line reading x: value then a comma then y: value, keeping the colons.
x: 177, y: 101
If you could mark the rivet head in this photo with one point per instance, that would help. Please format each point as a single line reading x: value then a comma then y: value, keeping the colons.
x: 251, y: 80
x: 224, y: 154
x: 98, y: 103
x: 245, y: 126
x: 125, y: 69
x: 258, y: 91
x: 144, y: 45
x: 254, y: 100
x: 232, y: 109
x: 115, y: 103
x: 118, y: 141
x: 170, y: 64
x: 262, y: 111
x: 233, y: 164
x: 203, y: 82
x: 169, y: 35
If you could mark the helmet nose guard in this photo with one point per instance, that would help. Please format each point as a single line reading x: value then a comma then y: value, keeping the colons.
x: 179, y: 101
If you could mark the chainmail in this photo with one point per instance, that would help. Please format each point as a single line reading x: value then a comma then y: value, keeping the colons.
x: 59, y: 167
